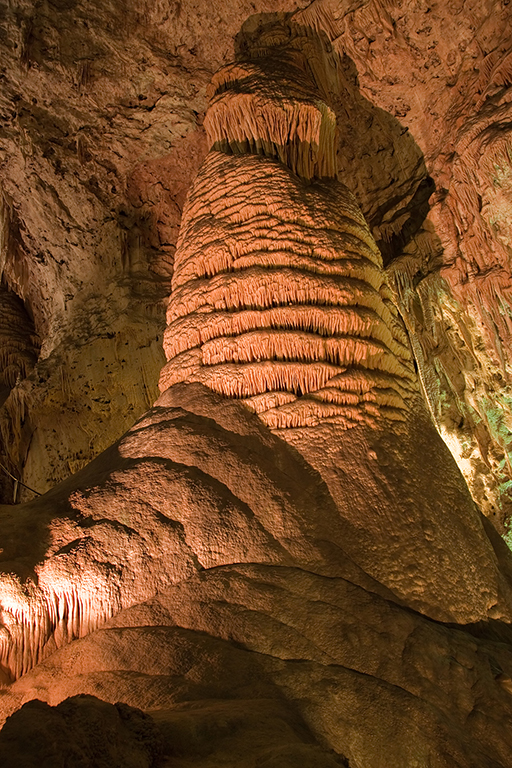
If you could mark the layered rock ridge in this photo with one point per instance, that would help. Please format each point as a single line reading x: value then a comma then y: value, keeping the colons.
x: 278, y: 299
x: 278, y: 295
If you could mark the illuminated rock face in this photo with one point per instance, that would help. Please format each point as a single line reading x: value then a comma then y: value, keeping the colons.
x: 278, y: 295
x: 263, y: 637
x: 284, y: 524
x: 91, y: 221
x: 279, y: 300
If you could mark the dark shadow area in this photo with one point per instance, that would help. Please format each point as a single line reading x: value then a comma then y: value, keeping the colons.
x: 19, y: 350
x: 380, y: 162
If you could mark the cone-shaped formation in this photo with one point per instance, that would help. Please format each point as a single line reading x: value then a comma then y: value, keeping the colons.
x: 279, y: 300
x: 322, y: 555
x: 278, y: 292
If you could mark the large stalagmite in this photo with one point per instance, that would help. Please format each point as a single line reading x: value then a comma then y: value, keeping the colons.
x: 279, y: 300
x: 281, y: 537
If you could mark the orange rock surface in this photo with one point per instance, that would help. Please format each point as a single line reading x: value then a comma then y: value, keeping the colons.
x: 102, y: 113
x: 280, y: 562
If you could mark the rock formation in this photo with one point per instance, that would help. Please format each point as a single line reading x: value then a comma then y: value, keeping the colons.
x: 18, y: 353
x: 280, y: 561
x: 279, y: 300
x: 101, y: 113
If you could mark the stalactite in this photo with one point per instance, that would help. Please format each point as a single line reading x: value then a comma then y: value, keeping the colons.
x: 198, y: 328
x: 274, y: 101
x: 35, y: 621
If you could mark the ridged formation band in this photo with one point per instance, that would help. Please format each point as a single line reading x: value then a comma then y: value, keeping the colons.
x: 278, y: 295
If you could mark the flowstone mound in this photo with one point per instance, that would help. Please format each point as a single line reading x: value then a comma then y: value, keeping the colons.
x: 284, y: 529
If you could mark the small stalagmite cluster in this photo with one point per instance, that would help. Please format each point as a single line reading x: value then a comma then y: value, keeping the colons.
x: 278, y: 295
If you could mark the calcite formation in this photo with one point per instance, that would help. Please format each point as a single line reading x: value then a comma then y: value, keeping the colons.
x: 278, y: 295
x: 101, y: 113
x: 280, y: 560
x: 264, y: 640
x: 279, y: 300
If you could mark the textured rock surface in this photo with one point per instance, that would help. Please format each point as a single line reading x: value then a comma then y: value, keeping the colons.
x: 310, y: 583
x: 88, y: 732
x: 262, y: 616
x: 279, y: 299
x: 101, y: 135
x: 113, y: 120
x: 443, y: 71
x: 82, y: 731
x: 323, y: 594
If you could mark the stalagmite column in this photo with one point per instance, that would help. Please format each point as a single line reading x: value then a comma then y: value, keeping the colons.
x: 278, y: 291
x: 279, y: 300
x: 279, y: 308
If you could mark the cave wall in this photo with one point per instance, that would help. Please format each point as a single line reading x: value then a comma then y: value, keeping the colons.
x: 101, y: 134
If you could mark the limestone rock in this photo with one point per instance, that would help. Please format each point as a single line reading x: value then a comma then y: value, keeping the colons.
x: 81, y: 731
x: 102, y: 133
x: 246, y: 595
x: 346, y: 668
x: 280, y: 556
